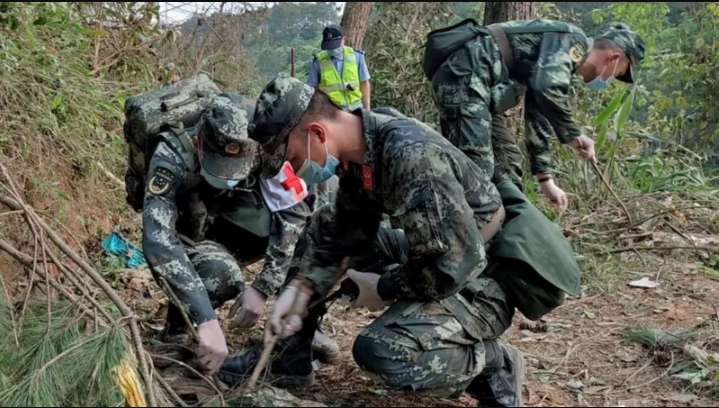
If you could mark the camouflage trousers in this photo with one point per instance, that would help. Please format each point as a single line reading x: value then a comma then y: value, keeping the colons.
x: 423, y: 346
x: 417, y: 346
x: 219, y: 271
x: 467, y: 89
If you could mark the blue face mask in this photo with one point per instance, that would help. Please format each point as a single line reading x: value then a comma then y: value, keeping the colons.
x: 598, y: 84
x: 312, y: 172
x: 217, y: 182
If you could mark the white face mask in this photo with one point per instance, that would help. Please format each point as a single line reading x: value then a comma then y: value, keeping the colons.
x: 338, y: 52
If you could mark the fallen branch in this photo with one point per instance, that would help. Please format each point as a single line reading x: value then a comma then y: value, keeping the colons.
x: 695, y: 248
x: 271, y: 340
x: 27, y: 260
x: 173, y: 394
x: 197, y: 373
x: 12, y: 313
x: 174, y: 300
x: 30, y: 286
x: 111, y: 176
x: 611, y: 190
x: 190, y: 327
x: 97, y: 278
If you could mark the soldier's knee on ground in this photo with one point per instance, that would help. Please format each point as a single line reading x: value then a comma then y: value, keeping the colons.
x: 373, y: 358
x: 219, y: 271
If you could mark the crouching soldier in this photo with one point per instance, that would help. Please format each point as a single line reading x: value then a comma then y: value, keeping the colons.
x: 206, y: 212
x: 469, y: 257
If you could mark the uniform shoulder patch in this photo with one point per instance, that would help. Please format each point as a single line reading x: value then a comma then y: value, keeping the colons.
x: 577, y: 53
x: 161, y: 181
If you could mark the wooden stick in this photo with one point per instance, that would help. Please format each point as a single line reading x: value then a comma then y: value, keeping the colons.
x: 271, y: 339
x: 12, y: 313
x: 27, y: 260
x: 173, y: 298
x: 173, y: 394
x: 611, y: 190
x: 111, y: 176
x: 197, y: 373
x: 674, y: 248
x: 270, y: 342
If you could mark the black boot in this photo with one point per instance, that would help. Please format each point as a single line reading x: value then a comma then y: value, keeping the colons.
x: 500, y: 386
x: 290, y: 367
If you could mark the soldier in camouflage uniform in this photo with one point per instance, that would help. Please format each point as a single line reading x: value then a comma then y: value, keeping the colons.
x: 448, y: 302
x: 481, y: 80
x: 208, y: 204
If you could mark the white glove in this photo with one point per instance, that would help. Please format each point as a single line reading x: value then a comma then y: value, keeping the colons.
x: 368, y: 296
x: 212, y: 350
x: 286, y: 317
x: 248, y: 308
x: 555, y: 194
x: 585, y: 146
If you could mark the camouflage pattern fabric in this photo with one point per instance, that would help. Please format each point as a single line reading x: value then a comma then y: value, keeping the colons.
x: 423, y: 347
x: 285, y: 230
x: 474, y: 83
x: 507, y: 154
x: 430, y: 190
x: 416, y: 345
x: 219, y: 271
x: 225, y: 150
x: 169, y: 182
x: 628, y: 41
x: 274, y: 119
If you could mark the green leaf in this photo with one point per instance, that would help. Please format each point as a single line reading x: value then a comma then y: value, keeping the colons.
x: 610, y: 109
x: 56, y: 102
x: 625, y: 112
x: 694, y: 376
x: 602, y: 135
x: 699, y: 44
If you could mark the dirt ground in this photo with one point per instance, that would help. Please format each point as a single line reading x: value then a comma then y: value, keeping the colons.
x: 577, y: 356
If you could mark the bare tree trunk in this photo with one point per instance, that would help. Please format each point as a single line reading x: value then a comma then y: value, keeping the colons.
x: 499, y: 12
x: 354, y: 22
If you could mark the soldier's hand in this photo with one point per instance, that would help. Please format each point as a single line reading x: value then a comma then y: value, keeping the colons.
x: 290, y: 308
x: 212, y: 350
x: 368, y: 295
x: 585, y: 146
x: 248, y: 308
x: 555, y: 194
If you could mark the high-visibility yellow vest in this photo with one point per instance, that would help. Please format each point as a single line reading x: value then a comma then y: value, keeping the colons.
x: 345, y: 90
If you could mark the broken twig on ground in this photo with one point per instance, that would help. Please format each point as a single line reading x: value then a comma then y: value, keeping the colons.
x: 611, y: 190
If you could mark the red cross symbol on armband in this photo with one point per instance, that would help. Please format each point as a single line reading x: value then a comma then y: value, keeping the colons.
x: 292, y: 182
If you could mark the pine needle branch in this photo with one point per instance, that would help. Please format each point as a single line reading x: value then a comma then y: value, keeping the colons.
x: 99, y: 281
x: 12, y: 314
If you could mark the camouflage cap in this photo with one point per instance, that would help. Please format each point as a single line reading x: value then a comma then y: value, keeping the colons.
x: 279, y: 109
x: 628, y: 41
x: 226, y: 151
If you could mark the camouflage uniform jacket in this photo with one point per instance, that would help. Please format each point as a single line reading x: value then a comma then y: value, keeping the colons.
x: 173, y: 182
x: 545, y: 63
x: 432, y: 191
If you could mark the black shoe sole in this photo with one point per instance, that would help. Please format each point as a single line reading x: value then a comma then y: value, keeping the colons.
x: 287, y: 382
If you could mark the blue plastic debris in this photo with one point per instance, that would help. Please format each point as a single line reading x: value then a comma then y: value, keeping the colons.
x: 118, y: 245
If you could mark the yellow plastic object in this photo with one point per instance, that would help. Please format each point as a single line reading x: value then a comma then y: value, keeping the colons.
x: 130, y: 384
